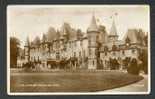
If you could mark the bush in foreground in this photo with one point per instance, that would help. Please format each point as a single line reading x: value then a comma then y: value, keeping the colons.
x: 133, y: 67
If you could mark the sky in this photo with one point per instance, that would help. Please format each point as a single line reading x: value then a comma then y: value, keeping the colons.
x: 33, y: 20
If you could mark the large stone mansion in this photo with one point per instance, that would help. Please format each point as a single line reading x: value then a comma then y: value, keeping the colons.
x: 91, y: 50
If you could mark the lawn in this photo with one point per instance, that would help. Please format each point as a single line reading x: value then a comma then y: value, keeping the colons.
x: 70, y: 81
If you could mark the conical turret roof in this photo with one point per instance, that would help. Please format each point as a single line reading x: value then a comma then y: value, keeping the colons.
x: 63, y: 30
x: 113, y: 31
x: 93, y: 25
x: 27, y: 41
x: 134, y: 36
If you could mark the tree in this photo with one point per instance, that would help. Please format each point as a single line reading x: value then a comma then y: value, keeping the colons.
x: 102, y: 28
x: 146, y: 40
x: 51, y: 34
x: 143, y: 56
x: 103, y: 36
x: 14, y: 51
x: 44, y: 38
x: 57, y: 35
x: 140, y: 36
x: 69, y: 31
x: 79, y: 34
x: 36, y: 41
x: 133, y: 67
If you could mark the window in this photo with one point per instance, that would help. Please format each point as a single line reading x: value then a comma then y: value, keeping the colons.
x: 133, y: 51
x: 84, y: 53
x: 105, y: 53
x: 90, y: 52
x: 96, y: 52
x: 74, y: 54
x: 31, y: 58
x: 114, y: 47
x: 105, y: 48
x: 123, y: 52
x: 80, y: 54
x: 97, y: 38
x: 89, y: 41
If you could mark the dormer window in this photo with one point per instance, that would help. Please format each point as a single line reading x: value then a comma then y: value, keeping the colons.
x: 127, y: 41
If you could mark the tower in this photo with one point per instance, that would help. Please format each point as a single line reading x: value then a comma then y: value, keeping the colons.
x: 113, y: 33
x: 93, y: 35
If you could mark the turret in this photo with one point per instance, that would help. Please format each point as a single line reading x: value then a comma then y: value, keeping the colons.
x: 113, y: 37
x: 27, y: 50
x: 93, y: 34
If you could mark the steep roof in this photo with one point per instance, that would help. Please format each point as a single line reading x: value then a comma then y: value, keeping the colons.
x: 51, y: 34
x: 134, y: 36
x: 113, y: 31
x: 93, y: 25
x: 68, y: 31
x: 63, y: 28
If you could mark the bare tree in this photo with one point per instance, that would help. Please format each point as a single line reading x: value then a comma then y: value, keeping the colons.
x: 14, y: 51
x: 36, y: 40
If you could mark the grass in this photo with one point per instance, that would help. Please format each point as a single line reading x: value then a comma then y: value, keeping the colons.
x: 70, y: 81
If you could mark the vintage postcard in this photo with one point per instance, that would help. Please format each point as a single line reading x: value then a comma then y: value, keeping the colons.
x: 78, y: 49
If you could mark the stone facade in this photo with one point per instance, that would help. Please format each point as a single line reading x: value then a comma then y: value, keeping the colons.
x: 92, y: 50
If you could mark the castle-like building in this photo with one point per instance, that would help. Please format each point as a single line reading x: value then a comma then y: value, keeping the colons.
x: 91, y: 50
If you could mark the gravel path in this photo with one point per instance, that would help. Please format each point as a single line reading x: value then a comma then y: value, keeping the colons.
x: 141, y: 86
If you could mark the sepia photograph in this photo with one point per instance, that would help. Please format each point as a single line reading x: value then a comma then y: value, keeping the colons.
x: 78, y: 50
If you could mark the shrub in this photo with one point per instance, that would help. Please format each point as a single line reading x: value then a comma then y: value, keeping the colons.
x: 133, y: 67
